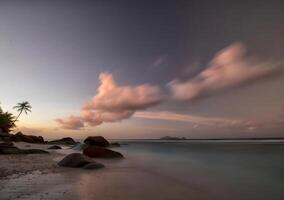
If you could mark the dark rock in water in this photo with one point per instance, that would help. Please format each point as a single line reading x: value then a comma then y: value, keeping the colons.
x: 74, y: 160
x: 20, y: 137
x: 94, y: 165
x: 8, y: 149
x: 64, y: 141
x: 96, y: 140
x: 54, y: 147
x: 115, y: 144
x: 6, y: 144
x: 100, y: 152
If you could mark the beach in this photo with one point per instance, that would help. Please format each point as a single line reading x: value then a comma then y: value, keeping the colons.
x: 150, y: 170
x: 39, y: 177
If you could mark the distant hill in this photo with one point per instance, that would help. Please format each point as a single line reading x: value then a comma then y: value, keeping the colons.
x: 172, y: 138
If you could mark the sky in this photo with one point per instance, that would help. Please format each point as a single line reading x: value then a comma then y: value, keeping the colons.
x: 144, y: 69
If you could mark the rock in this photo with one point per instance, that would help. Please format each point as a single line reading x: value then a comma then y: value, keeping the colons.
x: 8, y: 149
x: 74, y: 160
x: 20, y: 137
x: 64, y: 141
x: 78, y: 160
x: 4, y: 136
x: 100, y: 152
x: 94, y: 165
x: 115, y: 144
x: 96, y: 140
x: 54, y: 147
x: 6, y: 144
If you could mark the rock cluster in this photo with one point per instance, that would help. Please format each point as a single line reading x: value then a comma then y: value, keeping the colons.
x: 96, y: 147
x: 20, y: 137
x: 64, y: 141
x: 9, y: 148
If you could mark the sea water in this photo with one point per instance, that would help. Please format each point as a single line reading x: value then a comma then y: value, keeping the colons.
x: 241, y: 170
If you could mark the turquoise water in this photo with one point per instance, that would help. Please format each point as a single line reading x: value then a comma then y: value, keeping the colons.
x: 221, y: 170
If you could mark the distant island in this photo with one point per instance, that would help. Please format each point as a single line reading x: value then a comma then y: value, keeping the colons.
x: 172, y: 138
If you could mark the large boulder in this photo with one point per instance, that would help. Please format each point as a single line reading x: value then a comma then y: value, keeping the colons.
x: 74, y: 160
x: 64, y: 141
x: 100, y: 152
x: 96, y: 140
x: 78, y: 160
x: 20, y: 137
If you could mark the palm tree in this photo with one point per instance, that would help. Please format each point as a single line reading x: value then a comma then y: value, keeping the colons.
x: 6, y: 122
x: 24, y: 106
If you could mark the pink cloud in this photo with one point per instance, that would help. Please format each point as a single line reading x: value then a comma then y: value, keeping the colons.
x: 115, y: 98
x: 114, y: 103
x: 71, y: 122
x: 229, y: 68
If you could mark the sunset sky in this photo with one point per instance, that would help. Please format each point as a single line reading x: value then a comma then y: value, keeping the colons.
x: 144, y: 69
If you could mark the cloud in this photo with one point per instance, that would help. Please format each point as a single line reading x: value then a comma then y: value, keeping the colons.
x: 245, y: 125
x: 229, y: 68
x: 114, y: 98
x: 114, y: 103
x: 197, y: 120
x: 71, y: 122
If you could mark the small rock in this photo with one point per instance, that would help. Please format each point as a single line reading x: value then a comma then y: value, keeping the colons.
x: 94, y: 165
x: 115, y: 144
x: 54, y: 147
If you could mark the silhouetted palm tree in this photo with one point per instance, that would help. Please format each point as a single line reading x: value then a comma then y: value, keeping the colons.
x: 6, y: 122
x: 24, y: 106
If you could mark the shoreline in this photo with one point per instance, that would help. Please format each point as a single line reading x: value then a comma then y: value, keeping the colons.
x: 120, y: 179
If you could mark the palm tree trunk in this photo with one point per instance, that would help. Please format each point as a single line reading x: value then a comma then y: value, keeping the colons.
x: 18, y: 116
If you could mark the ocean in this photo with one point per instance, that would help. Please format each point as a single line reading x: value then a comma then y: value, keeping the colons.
x: 231, y: 169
